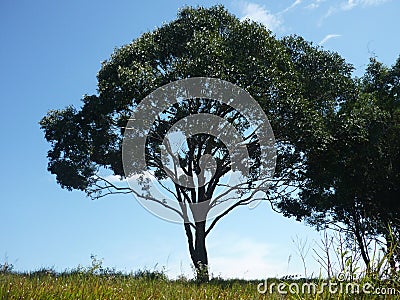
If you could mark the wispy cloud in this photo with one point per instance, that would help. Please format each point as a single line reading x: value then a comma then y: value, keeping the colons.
x: 248, y: 259
x: 370, y: 2
x: 293, y: 5
x: 259, y: 13
x: 314, y: 4
x: 351, y: 4
x: 328, y: 37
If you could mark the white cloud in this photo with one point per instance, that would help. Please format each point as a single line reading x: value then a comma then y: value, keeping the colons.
x: 113, y: 178
x: 315, y: 4
x: 328, y: 37
x: 258, y: 13
x: 248, y: 259
x: 293, y: 5
x: 312, y: 6
x: 351, y: 4
x: 371, y: 2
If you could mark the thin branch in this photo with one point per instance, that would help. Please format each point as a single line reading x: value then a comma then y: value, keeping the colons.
x: 126, y: 190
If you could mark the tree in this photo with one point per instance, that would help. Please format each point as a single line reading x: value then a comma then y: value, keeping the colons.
x: 297, y: 85
x: 382, y: 174
x: 354, y: 182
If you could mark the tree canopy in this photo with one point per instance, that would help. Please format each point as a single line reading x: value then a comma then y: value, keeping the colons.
x: 302, y: 89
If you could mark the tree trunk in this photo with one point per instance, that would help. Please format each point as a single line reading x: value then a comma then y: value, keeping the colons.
x: 390, y: 252
x: 363, y: 247
x: 201, y: 262
x: 198, y: 250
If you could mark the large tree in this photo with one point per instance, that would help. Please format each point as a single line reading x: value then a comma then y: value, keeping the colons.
x: 298, y: 86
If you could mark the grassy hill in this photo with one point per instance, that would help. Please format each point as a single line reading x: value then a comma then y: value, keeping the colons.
x: 108, y: 284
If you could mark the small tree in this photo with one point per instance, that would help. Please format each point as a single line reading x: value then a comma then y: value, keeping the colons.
x: 298, y: 87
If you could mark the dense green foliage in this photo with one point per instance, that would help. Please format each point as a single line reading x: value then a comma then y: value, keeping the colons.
x: 355, y: 181
x: 298, y: 85
x: 336, y: 137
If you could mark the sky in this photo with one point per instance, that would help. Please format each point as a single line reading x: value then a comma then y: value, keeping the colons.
x: 50, y: 54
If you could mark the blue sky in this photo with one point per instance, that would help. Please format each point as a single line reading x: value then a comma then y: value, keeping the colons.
x: 50, y: 54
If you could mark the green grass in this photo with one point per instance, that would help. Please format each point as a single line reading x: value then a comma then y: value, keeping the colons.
x: 97, y: 282
x: 90, y: 286
x: 82, y: 284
